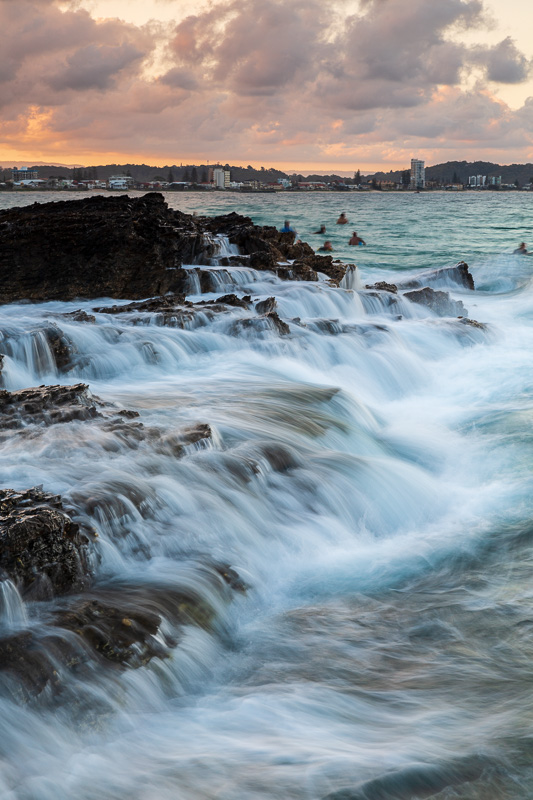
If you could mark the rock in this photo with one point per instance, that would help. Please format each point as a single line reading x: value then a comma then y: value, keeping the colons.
x: 61, y: 347
x: 94, y: 247
x: 263, y: 261
x: 122, y: 633
x: 266, y: 322
x: 231, y: 577
x: 459, y: 275
x: 229, y: 300
x: 120, y: 247
x: 80, y: 316
x: 154, y: 305
x: 473, y: 323
x: 439, y: 302
x: 41, y: 549
x: 32, y: 661
x: 47, y: 404
x: 264, y: 306
x: 382, y: 286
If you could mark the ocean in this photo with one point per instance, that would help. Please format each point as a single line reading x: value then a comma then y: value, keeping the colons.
x: 369, y: 477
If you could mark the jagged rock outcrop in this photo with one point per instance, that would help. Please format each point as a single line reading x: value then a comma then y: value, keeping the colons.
x: 126, y: 247
x: 42, y: 550
x: 118, y: 626
x: 271, y: 321
x: 383, y: 286
x: 458, y: 275
x: 439, y: 302
x: 47, y: 404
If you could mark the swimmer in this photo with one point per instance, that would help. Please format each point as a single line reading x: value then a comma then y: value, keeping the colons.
x: 343, y: 219
x: 326, y: 247
x: 355, y: 240
x: 287, y: 227
x: 322, y: 229
x: 522, y: 249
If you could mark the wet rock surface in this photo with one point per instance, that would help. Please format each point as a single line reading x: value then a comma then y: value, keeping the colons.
x: 458, y: 275
x: 383, y: 286
x: 42, y: 550
x: 439, y: 302
x: 130, y: 247
x: 271, y: 321
x: 118, y: 626
x: 47, y: 404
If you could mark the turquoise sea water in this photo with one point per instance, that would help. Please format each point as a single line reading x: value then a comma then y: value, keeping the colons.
x: 369, y: 477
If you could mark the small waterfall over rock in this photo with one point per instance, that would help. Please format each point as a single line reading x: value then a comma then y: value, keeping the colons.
x: 284, y: 508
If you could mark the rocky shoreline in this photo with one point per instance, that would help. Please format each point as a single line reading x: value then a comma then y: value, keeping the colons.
x: 131, y: 249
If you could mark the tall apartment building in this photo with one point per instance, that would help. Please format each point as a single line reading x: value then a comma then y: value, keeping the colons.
x: 418, y: 174
x: 221, y: 177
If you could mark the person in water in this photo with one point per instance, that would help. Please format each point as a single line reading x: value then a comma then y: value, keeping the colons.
x: 326, y: 247
x: 343, y: 219
x: 287, y: 227
x: 355, y: 240
x: 522, y: 249
x: 322, y: 229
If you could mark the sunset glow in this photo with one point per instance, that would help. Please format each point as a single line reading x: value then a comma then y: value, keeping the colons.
x: 309, y: 85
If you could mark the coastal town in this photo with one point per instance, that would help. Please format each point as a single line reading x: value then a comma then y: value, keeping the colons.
x: 225, y: 178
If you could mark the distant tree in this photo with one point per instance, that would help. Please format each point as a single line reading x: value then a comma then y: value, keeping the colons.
x: 455, y: 178
x: 170, y: 176
x: 406, y: 177
x: 205, y: 176
x: 374, y: 183
x: 357, y: 177
x: 194, y: 175
x: 517, y: 183
x: 187, y: 176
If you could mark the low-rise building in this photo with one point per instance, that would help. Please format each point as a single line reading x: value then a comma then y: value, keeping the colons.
x: 24, y: 174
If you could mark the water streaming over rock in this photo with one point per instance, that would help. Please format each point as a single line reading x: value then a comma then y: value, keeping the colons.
x: 311, y: 540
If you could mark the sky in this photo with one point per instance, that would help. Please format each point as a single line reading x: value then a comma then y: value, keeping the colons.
x: 301, y: 85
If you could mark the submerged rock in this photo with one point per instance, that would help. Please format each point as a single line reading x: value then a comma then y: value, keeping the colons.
x: 271, y: 321
x: 383, y: 286
x: 264, y: 306
x: 439, y: 302
x: 79, y: 316
x: 47, y: 404
x: 41, y: 549
x: 458, y: 275
x: 473, y: 323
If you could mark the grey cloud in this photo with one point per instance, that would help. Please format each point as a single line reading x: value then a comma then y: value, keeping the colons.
x: 94, y: 67
x: 506, y: 64
x: 180, y: 79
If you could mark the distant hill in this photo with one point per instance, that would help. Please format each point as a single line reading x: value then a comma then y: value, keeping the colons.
x: 145, y: 173
x: 462, y: 170
x: 446, y: 173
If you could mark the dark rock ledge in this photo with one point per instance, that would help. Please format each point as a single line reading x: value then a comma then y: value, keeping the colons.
x: 49, y: 556
x: 132, y: 247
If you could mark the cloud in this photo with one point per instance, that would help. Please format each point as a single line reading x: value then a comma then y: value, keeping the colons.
x: 505, y: 63
x: 257, y: 80
x: 94, y: 66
